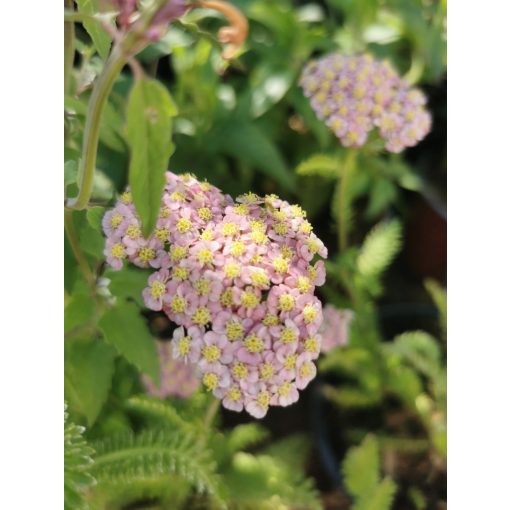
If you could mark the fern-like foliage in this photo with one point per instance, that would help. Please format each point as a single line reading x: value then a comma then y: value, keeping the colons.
x: 379, y: 248
x: 322, y: 165
x: 77, y: 465
x: 361, y: 469
x: 128, y: 458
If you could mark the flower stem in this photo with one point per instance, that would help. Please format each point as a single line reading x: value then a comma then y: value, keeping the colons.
x: 102, y: 88
x: 72, y: 237
x: 344, y: 199
x: 211, y: 412
x: 68, y: 48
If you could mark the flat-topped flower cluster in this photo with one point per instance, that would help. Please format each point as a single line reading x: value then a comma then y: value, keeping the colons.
x: 238, y: 278
x: 354, y: 94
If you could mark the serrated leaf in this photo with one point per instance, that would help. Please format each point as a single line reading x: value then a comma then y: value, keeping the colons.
x: 79, y: 311
x: 88, y: 372
x: 99, y: 36
x: 380, y: 498
x: 149, y: 133
x: 361, y: 467
x: 124, y: 328
x: 379, y: 248
x: 323, y: 165
x: 94, y: 217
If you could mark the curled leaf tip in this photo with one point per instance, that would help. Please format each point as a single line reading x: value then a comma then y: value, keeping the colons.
x: 233, y: 35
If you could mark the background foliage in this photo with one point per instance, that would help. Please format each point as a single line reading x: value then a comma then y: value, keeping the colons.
x: 370, y: 432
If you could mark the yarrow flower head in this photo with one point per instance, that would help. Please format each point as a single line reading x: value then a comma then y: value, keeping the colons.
x: 354, y: 94
x: 335, y: 327
x: 238, y: 278
x: 177, y: 378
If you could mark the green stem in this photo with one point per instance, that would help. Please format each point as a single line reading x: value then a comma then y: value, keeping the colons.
x: 102, y: 88
x: 68, y: 48
x: 72, y: 237
x: 344, y: 199
x: 212, y: 409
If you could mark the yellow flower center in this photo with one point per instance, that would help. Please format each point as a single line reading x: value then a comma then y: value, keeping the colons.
x: 305, y: 227
x: 178, y: 252
x: 162, y: 234
x: 250, y: 197
x: 204, y: 213
x: 211, y: 353
x: 237, y: 248
x: 286, y: 302
x: 306, y: 369
x: 118, y: 251
x: 184, y: 225
x: 280, y: 265
x: 157, y: 289
x: 177, y: 196
x: 280, y: 228
x: 241, y: 209
x: 146, y: 254
x: 203, y: 287
x: 311, y: 345
x: 253, y: 343
x: 180, y: 273
x: 226, y: 298
x: 184, y: 345
x: 259, y: 278
x: 116, y: 220
x: 249, y: 299
x: 232, y: 270
x: 288, y: 335
x: 178, y: 304
x: 312, y: 272
x: 287, y: 252
x: 279, y: 215
x: 165, y: 212
x: 270, y: 320
x: 257, y: 225
x: 266, y: 370
x: 210, y: 381
x: 234, y: 393
x: 256, y: 259
x: 303, y: 284
x: 309, y: 313
x: 284, y: 389
x: 263, y: 398
x: 126, y: 197
x: 205, y: 256
x: 206, y: 235
x: 201, y: 316
x: 133, y: 231
x: 313, y: 246
x: 205, y: 186
x: 239, y: 370
x: 290, y: 361
x: 234, y: 330
x: 229, y: 229
x: 258, y: 237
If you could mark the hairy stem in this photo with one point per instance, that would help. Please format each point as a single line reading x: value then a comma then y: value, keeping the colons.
x: 72, y: 237
x: 344, y: 202
x: 211, y: 412
x: 102, y: 88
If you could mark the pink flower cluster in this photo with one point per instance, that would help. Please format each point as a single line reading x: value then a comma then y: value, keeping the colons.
x: 335, y: 327
x: 354, y: 94
x: 177, y: 379
x: 238, y: 278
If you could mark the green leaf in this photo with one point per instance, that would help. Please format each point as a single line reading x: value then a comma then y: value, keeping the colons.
x: 270, y: 84
x: 323, y: 165
x: 438, y: 295
x: 77, y: 464
x: 379, y: 248
x: 128, y: 283
x: 420, y: 349
x: 79, y: 311
x: 94, y: 216
x: 361, y: 467
x: 99, y: 36
x: 248, y: 142
x: 124, y: 328
x: 149, y: 133
x: 379, y: 499
x: 70, y: 172
x: 88, y: 372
